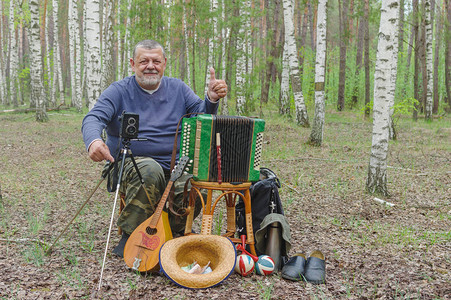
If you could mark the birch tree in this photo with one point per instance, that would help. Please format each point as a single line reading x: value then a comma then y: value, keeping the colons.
x: 36, y: 65
x: 13, y: 55
x: 316, y: 136
x: 107, y: 33
x: 392, y: 86
x: 75, y: 55
x: 301, y: 109
x: 343, y: 41
x: 57, y: 68
x: 119, y: 53
x: 429, y: 60
x: 438, y: 31
x: 185, y: 30
x: 168, y: 6
x: 211, y: 44
x: 49, y: 88
x: 241, y: 47
x: 447, y: 30
x: 93, y: 75
x: 387, y: 39
x: 225, y: 35
x: 2, y: 63
x: 284, y: 107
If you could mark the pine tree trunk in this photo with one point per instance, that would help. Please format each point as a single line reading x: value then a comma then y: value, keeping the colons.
x: 377, y: 170
x: 429, y: 60
x: 342, y: 70
x: 316, y: 136
x: 295, y: 78
x: 93, y: 63
x: 36, y: 66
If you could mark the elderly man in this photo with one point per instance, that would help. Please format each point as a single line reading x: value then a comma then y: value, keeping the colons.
x: 160, y: 102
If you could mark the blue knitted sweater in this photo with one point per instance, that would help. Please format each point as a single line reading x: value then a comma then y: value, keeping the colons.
x: 159, y: 114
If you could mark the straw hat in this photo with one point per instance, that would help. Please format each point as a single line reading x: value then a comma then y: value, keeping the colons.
x: 183, y: 251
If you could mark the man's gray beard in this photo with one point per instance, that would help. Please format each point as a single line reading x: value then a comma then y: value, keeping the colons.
x: 148, y: 81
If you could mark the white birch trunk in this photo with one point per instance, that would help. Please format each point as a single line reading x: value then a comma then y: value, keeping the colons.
x: 188, y: 64
x: 377, y: 170
x: 241, y: 67
x: 36, y: 66
x: 394, y: 73
x: 316, y: 136
x: 2, y: 63
x: 429, y: 60
x: 225, y: 34
x: 75, y: 55
x: 57, y: 67
x: 301, y: 109
x: 50, y: 75
x: 13, y: 55
x: 248, y: 37
x: 285, y: 83
x: 211, y: 46
x: 20, y: 51
x: 120, y: 56
x: 92, y: 59
x: 127, y: 46
x: 108, y: 45
x: 168, y: 5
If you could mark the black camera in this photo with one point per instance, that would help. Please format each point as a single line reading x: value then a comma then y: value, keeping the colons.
x: 129, y: 125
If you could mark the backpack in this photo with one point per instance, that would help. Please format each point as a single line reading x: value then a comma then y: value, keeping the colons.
x: 265, y: 199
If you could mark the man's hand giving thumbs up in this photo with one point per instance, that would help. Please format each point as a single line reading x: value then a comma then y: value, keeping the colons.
x: 217, y: 88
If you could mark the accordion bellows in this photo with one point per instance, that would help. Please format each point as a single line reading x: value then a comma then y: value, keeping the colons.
x: 241, y: 140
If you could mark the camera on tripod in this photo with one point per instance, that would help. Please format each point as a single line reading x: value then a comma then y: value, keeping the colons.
x: 129, y: 125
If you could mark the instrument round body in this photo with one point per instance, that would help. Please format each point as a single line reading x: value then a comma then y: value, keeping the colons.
x: 244, y: 265
x: 143, y: 246
x: 264, y: 265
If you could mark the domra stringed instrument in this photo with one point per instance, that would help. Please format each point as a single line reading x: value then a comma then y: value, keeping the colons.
x: 141, y: 252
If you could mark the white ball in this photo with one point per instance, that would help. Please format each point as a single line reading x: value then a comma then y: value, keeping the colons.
x: 244, y: 264
x: 264, y: 265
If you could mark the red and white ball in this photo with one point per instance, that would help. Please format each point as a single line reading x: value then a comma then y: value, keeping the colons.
x: 264, y: 265
x: 244, y: 264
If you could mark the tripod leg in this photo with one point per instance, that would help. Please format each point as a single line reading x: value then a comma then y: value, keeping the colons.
x: 124, y: 152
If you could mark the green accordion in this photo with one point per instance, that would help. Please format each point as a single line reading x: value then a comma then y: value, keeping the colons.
x: 233, y: 143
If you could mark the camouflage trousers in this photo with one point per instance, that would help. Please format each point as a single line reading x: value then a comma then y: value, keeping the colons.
x: 138, y: 208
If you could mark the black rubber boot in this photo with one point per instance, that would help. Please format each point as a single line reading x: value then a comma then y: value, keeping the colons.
x: 119, y: 250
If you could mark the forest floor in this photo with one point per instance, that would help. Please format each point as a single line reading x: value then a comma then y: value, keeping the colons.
x: 372, y: 250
